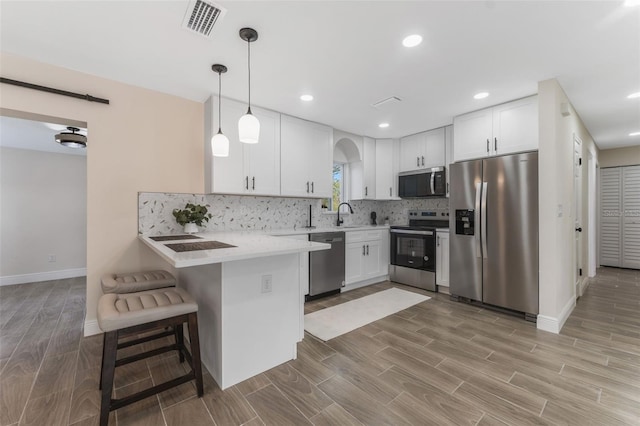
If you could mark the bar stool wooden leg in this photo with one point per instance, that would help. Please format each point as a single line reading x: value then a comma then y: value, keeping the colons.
x: 104, y: 339
x: 180, y: 340
x: 195, y: 351
x: 108, y: 370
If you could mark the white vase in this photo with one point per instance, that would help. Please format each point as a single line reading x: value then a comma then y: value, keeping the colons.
x: 190, y: 228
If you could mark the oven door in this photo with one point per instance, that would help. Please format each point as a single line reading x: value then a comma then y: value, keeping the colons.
x: 413, y: 249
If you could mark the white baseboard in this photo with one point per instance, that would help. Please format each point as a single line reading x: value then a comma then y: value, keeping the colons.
x: 365, y: 283
x: 554, y: 325
x: 583, y: 286
x: 91, y: 328
x: 42, y: 276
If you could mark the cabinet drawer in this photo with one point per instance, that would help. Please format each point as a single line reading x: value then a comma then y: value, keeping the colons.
x: 359, y: 236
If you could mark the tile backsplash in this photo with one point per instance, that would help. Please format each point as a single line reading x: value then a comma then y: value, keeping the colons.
x: 242, y: 212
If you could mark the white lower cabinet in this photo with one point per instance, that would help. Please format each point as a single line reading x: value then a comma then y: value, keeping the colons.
x: 366, y: 255
x: 442, y: 259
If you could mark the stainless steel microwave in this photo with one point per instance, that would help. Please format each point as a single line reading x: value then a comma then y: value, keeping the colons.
x: 423, y: 183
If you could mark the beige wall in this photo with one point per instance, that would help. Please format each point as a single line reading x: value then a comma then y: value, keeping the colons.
x: 143, y: 141
x: 42, y: 212
x: 556, y: 181
x: 628, y: 156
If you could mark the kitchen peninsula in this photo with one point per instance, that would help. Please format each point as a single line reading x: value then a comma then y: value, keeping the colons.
x: 249, y: 298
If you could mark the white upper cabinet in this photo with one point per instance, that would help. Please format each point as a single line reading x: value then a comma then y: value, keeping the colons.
x: 423, y: 150
x: 369, y: 166
x: 249, y: 168
x: 306, y: 152
x: 387, y: 152
x: 503, y: 129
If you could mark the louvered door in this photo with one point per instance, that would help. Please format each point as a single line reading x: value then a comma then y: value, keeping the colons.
x: 631, y: 217
x: 610, y: 217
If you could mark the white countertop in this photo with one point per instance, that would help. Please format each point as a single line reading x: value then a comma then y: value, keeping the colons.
x: 348, y: 228
x: 249, y: 245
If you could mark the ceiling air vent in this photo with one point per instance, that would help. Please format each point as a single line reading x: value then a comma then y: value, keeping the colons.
x: 386, y: 103
x: 201, y: 16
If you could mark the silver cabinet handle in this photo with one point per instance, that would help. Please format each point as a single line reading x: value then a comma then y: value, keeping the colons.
x: 432, y: 183
x: 495, y: 144
x: 418, y: 161
x: 438, y: 241
x: 366, y: 191
x: 246, y: 182
x: 423, y: 160
x: 390, y: 194
x: 487, y: 146
x: 307, y: 187
x: 363, y: 250
x: 312, y: 188
x: 367, y: 249
x: 253, y: 182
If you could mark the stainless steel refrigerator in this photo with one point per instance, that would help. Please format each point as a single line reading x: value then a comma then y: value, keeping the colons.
x: 494, y: 231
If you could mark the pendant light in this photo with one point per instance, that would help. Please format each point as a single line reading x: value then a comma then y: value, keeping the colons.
x: 248, y: 125
x: 219, y: 142
x: 73, y: 139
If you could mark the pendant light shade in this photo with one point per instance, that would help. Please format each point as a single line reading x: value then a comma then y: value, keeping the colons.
x: 219, y: 142
x: 248, y: 125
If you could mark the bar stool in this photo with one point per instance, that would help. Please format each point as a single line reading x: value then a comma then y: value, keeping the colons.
x: 126, y: 314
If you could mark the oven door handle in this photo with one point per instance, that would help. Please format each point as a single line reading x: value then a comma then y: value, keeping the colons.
x: 410, y: 232
x: 477, y: 219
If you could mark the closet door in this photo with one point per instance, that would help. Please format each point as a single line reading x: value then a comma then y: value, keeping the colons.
x: 610, y: 217
x: 631, y: 217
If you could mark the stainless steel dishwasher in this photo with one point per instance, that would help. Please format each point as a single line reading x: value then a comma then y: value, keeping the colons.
x: 326, y: 267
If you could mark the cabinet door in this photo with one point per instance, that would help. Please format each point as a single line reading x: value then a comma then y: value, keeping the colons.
x: 354, y: 262
x: 369, y: 168
x: 320, y: 162
x: 294, y: 157
x: 611, y: 216
x: 472, y: 134
x: 262, y: 160
x: 630, y: 219
x: 411, y: 152
x: 448, y: 152
x: 372, y: 259
x: 434, y: 149
x: 442, y: 259
x: 385, y: 170
x: 228, y: 174
x: 515, y: 126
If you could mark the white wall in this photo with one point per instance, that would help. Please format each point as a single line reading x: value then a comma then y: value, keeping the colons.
x: 628, y: 156
x: 43, y: 206
x: 142, y: 141
x: 556, y: 206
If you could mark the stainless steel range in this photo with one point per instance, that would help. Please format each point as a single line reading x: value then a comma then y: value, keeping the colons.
x: 413, y: 248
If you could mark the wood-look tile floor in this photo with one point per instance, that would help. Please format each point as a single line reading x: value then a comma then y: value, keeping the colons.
x: 436, y: 363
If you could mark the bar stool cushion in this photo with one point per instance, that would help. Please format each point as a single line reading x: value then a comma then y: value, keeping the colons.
x: 117, y: 311
x: 136, y: 281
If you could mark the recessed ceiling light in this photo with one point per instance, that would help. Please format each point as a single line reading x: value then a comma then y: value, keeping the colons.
x: 412, y: 40
x: 634, y: 134
x: 306, y: 98
x: 634, y: 95
x: 383, y: 125
x: 481, y: 95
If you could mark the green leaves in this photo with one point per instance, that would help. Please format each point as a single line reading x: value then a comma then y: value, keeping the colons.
x: 192, y: 213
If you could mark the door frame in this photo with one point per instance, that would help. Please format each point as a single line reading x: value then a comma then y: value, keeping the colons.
x: 592, y: 202
x: 577, y: 214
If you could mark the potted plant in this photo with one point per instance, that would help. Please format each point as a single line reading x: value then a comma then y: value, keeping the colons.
x: 192, y: 216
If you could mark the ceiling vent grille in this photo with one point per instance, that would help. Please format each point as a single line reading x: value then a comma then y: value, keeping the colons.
x: 201, y: 16
x: 386, y: 103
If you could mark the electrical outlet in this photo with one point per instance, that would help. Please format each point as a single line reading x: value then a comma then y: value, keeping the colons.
x: 267, y: 283
x: 51, y: 258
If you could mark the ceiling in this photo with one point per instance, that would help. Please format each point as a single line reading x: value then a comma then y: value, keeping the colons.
x: 34, y: 135
x: 348, y: 55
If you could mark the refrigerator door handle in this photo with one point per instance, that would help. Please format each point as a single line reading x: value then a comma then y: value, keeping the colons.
x: 477, y: 220
x: 483, y: 218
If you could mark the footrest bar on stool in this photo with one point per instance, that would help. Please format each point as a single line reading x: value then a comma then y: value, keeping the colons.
x: 154, y: 352
x: 119, y: 403
x: 145, y: 339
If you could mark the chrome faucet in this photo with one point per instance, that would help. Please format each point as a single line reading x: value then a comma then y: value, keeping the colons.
x: 340, y: 221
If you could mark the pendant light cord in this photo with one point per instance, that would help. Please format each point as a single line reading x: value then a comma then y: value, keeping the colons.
x: 219, y: 102
x: 249, y: 66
